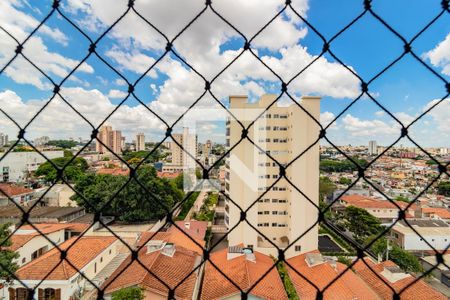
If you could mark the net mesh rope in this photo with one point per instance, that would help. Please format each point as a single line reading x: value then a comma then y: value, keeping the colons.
x: 365, y: 84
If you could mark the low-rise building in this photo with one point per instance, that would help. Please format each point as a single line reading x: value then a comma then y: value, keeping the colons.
x: 41, y: 214
x: 314, y: 268
x: 385, y: 210
x: 57, y: 279
x: 30, y: 242
x: 170, y: 256
x: 10, y: 192
x: 386, y: 277
x: 426, y: 232
x: 245, y: 268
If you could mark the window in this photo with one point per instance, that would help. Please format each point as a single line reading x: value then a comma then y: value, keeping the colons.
x: 260, y: 212
x: 110, y: 251
x: 49, y: 294
x: 21, y: 294
x: 274, y: 225
x: 298, y: 248
x: 274, y: 212
x: 274, y: 200
x: 101, y: 259
x: 266, y: 212
x: 24, y: 260
x: 95, y: 267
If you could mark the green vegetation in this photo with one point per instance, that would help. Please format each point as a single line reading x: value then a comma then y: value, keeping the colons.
x: 133, y: 203
x: 288, y: 285
x: 444, y: 188
x: 129, y: 293
x: 64, y: 144
x: 326, y: 187
x: 328, y: 165
x: 344, y: 260
x: 402, y: 198
x: 6, y: 256
x: 21, y: 148
x: 206, y: 212
x: 360, y: 223
x: 344, y: 180
x: 74, y: 171
x: 186, y: 206
x: 136, y: 157
x: 405, y: 260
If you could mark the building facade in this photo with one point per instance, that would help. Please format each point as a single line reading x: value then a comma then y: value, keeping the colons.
x: 189, y: 143
x: 111, y: 138
x: 281, y: 212
x: 16, y: 166
x: 140, y: 142
x: 372, y: 148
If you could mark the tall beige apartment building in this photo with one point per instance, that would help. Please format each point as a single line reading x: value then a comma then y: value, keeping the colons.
x: 140, y: 142
x: 111, y: 138
x: 189, y: 143
x: 282, y: 214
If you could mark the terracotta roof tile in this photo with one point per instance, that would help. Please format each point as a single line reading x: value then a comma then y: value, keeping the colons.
x: 365, y: 202
x: 13, y: 190
x: 244, y: 273
x: 347, y: 286
x: 170, y: 270
x: 419, y: 290
x: 80, y: 254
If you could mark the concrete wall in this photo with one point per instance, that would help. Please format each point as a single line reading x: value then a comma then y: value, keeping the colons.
x: 19, y: 163
x: 37, y: 243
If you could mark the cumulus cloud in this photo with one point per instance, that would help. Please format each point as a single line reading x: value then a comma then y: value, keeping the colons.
x: 440, y: 55
x: 19, y: 25
x: 117, y: 94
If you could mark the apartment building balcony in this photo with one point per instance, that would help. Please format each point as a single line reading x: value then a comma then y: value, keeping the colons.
x: 281, y: 242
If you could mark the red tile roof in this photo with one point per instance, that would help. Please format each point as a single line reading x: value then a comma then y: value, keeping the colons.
x: 171, y: 270
x: 169, y: 175
x: 347, y: 286
x: 20, y: 238
x: 113, y: 171
x: 244, y: 273
x: 80, y: 254
x: 442, y: 213
x: 195, y: 229
x: 365, y: 202
x: 419, y: 290
x: 174, y: 235
x: 13, y: 190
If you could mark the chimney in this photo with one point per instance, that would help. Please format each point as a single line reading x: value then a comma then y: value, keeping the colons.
x: 187, y: 225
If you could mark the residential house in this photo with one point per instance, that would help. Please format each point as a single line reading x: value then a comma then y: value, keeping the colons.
x: 389, y: 278
x: 426, y: 232
x: 330, y: 277
x: 11, y: 192
x: 245, y: 267
x: 60, y: 280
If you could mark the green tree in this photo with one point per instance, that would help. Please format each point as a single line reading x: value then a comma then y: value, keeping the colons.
x: 65, y: 144
x: 72, y: 172
x: 401, y: 198
x: 444, y: 188
x: 344, y: 180
x: 129, y: 293
x: 326, y: 187
x: 405, y: 260
x: 134, y: 202
x: 140, y: 155
x: 329, y: 165
x: 7, y: 256
x: 360, y: 223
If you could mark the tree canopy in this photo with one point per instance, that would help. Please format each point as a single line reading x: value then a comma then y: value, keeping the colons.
x: 329, y: 165
x: 64, y: 144
x: 133, y: 203
x: 361, y: 223
x: 444, y: 188
x: 72, y: 172
x: 405, y: 260
x: 6, y: 256
x: 129, y: 293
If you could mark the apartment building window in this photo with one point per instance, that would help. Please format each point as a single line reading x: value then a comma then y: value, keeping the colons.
x: 266, y: 212
x: 274, y: 200
x: 267, y: 200
x: 282, y: 201
x: 298, y: 248
x: 261, y: 200
x: 283, y: 116
x: 274, y: 225
x: 266, y: 224
x: 276, y: 116
x: 274, y: 212
x: 275, y: 176
x: 268, y: 116
x: 260, y: 212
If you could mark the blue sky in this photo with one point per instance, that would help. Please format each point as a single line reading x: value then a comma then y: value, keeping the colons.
x: 132, y: 46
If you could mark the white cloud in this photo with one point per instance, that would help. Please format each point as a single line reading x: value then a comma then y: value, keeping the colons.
x: 440, y: 115
x: 373, y: 128
x: 440, y: 55
x: 380, y: 113
x: 19, y: 25
x: 117, y: 94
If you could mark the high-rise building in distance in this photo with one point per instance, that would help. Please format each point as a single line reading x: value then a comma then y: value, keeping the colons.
x: 140, y: 142
x: 189, y: 143
x: 282, y: 213
x: 111, y: 138
x: 372, y: 148
x: 3, y: 139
